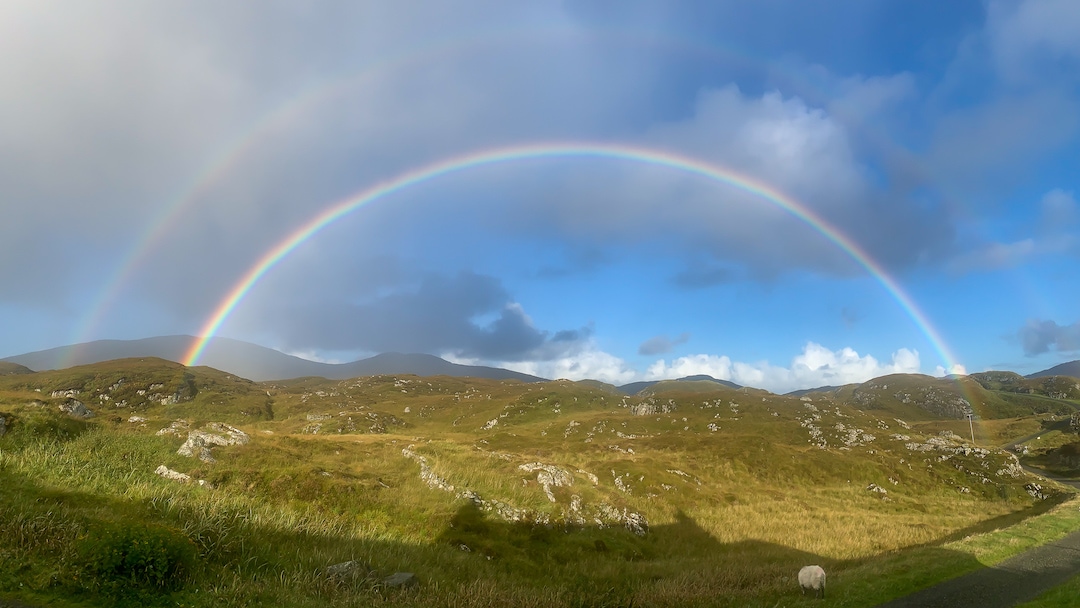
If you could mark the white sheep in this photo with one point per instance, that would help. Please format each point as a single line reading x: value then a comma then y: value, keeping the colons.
x: 812, y: 578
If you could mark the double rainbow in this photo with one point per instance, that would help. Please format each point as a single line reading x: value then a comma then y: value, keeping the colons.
x: 658, y: 158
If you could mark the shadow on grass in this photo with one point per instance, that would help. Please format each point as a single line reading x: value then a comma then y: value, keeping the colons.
x: 476, y: 560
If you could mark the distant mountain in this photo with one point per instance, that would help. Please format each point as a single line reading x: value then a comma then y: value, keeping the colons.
x: 252, y: 361
x: 636, y: 387
x: 1072, y: 368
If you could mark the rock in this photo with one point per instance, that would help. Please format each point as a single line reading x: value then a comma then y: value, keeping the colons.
x: 136, y: 419
x: 347, y: 572
x: 198, y: 443
x: 76, y: 408
x: 168, y: 473
x: 549, y: 476
x: 177, y: 427
x: 400, y: 580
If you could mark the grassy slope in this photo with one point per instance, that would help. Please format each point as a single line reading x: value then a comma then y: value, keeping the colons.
x: 736, y: 492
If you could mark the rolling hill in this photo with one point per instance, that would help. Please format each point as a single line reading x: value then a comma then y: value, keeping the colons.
x: 635, y: 388
x: 1072, y: 368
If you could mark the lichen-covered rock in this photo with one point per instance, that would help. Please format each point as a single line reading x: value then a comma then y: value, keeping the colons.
x: 168, y: 473
x: 198, y: 443
x: 549, y: 476
x: 177, y: 427
x: 74, y: 407
x: 635, y: 522
x: 650, y: 407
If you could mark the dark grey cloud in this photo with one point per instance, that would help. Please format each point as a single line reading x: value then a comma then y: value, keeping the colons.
x: 658, y: 345
x: 467, y: 315
x: 1038, y: 337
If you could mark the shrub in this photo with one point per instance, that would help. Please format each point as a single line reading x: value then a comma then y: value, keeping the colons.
x: 117, y: 560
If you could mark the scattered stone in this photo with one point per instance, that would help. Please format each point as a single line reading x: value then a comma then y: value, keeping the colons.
x: 347, y: 572
x: 400, y: 580
x: 177, y: 427
x: 71, y: 392
x: 876, y: 488
x: 76, y: 408
x: 428, y: 476
x: 136, y: 419
x: 168, y: 473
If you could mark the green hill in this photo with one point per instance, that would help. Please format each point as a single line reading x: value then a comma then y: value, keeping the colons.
x: 1054, y: 386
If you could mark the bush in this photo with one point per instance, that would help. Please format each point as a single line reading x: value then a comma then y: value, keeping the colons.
x: 118, y: 561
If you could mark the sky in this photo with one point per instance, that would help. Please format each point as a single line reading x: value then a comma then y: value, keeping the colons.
x: 922, y: 159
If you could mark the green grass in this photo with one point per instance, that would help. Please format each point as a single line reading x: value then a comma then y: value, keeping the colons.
x: 735, y: 488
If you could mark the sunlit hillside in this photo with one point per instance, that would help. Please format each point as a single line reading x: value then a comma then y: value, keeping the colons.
x: 488, y: 492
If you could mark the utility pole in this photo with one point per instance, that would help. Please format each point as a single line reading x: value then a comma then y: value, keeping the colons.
x: 971, y: 427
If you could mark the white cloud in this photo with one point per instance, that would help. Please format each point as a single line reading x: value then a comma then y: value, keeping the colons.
x: 954, y: 369
x: 588, y: 362
x: 815, y: 366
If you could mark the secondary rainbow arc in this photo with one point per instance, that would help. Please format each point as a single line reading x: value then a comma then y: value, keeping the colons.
x: 661, y: 158
x: 231, y: 151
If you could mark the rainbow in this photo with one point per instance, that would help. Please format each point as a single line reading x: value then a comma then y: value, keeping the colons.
x: 654, y: 157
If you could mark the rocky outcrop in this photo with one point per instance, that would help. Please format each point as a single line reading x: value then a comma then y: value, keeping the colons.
x: 651, y: 407
x: 198, y: 443
x: 549, y: 476
x: 603, y: 514
x: 74, y: 407
x: 937, y: 401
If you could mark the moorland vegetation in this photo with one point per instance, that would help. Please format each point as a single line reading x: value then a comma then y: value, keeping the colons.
x: 504, y: 493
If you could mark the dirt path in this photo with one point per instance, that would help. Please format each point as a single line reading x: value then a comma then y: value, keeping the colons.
x: 1018, y: 579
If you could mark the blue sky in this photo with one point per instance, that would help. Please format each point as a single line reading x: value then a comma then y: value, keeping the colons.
x: 942, y: 139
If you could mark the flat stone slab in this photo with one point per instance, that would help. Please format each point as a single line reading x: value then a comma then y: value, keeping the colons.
x: 400, y: 580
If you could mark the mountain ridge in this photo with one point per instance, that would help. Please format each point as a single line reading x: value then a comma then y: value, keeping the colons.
x: 255, y: 362
x: 260, y: 363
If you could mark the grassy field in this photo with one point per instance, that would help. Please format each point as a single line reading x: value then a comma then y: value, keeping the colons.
x: 492, y: 493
